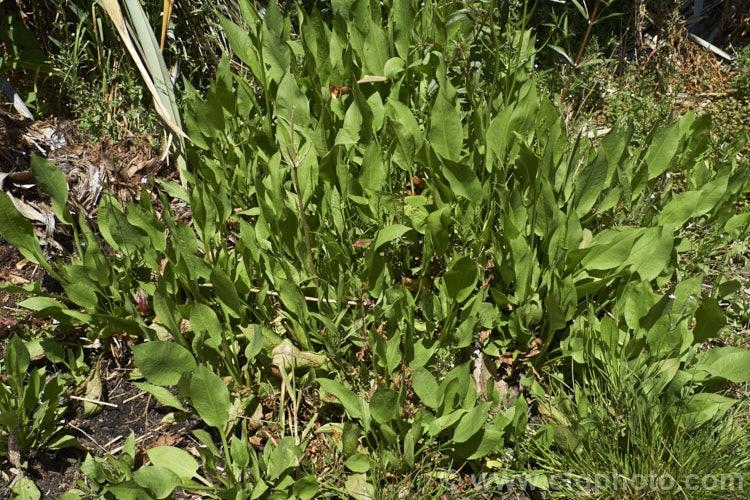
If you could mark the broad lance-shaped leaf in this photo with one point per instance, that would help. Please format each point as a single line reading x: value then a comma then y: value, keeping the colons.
x: 243, y: 46
x: 285, y: 455
x: 463, y: 180
x: 25, y: 489
x: 680, y: 208
x: 461, y: 278
x: 446, y: 134
x: 17, y: 361
x: 652, y: 252
x: 497, y: 134
x: 161, y: 481
x: 376, y: 51
x: 426, y: 387
x: 161, y: 394
x: 226, y: 292
x: 691, y: 204
x: 292, y: 298
x: 401, y: 17
x: 731, y: 363
x: 357, y: 486
x: 53, y: 182
x: 697, y: 409
x: 662, y: 149
x: 384, y: 405
x: 589, y: 183
x: 406, y: 128
x: 204, y: 319
x: 289, y: 96
x: 177, y: 460
x: 610, y: 248
x: 709, y: 320
x: 387, y: 234
x: 276, y: 56
x: 471, y: 422
x: 210, y: 397
x: 163, y: 363
x: 374, y: 170
x: 352, y: 404
x: 166, y: 309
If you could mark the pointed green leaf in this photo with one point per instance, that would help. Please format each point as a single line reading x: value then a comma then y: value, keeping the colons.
x: 159, y: 480
x: 53, y: 182
x: 406, y: 127
x: 357, y: 486
x: 471, y: 423
x: 680, y: 209
x: 610, y: 248
x: 387, y: 234
x: 384, y: 405
x: 276, y: 57
x: 177, y: 460
x: 709, y: 320
x: 589, y: 183
x: 161, y: 394
x: 292, y: 298
x: 401, y: 20
x: 352, y: 404
x: 374, y: 170
x: 242, y: 45
x: 285, y: 455
x: 461, y: 278
x: 17, y: 361
x: 166, y: 309
x: 426, y: 387
x: 698, y: 409
x: 163, y: 363
x: 376, y: 51
x: 210, y: 397
x: 662, y: 149
x: 652, y: 252
x: 226, y: 292
x: 731, y: 363
x: 446, y: 133
x: 463, y: 181
x: 204, y: 319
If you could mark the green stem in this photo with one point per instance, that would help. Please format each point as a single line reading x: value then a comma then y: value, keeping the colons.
x: 294, y: 162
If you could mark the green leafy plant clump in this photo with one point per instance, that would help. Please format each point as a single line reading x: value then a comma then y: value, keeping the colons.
x: 385, y: 243
x: 30, y: 409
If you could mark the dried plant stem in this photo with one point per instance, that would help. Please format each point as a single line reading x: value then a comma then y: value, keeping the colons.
x: 350, y: 302
x: 592, y: 20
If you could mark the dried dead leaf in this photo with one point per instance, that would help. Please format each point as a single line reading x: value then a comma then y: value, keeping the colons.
x: 372, y: 79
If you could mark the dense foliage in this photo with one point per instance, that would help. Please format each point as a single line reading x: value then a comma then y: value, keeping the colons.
x: 389, y: 246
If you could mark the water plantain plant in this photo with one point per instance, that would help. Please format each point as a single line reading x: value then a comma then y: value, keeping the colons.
x: 30, y: 407
x: 382, y: 197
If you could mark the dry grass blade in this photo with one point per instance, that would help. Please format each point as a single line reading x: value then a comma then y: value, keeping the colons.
x: 115, y: 14
x: 148, y: 58
x: 166, y: 15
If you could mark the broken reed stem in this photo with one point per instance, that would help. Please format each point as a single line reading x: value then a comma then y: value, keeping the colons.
x: 309, y: 299
x: 295, y: 164
x: 94, y: 401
